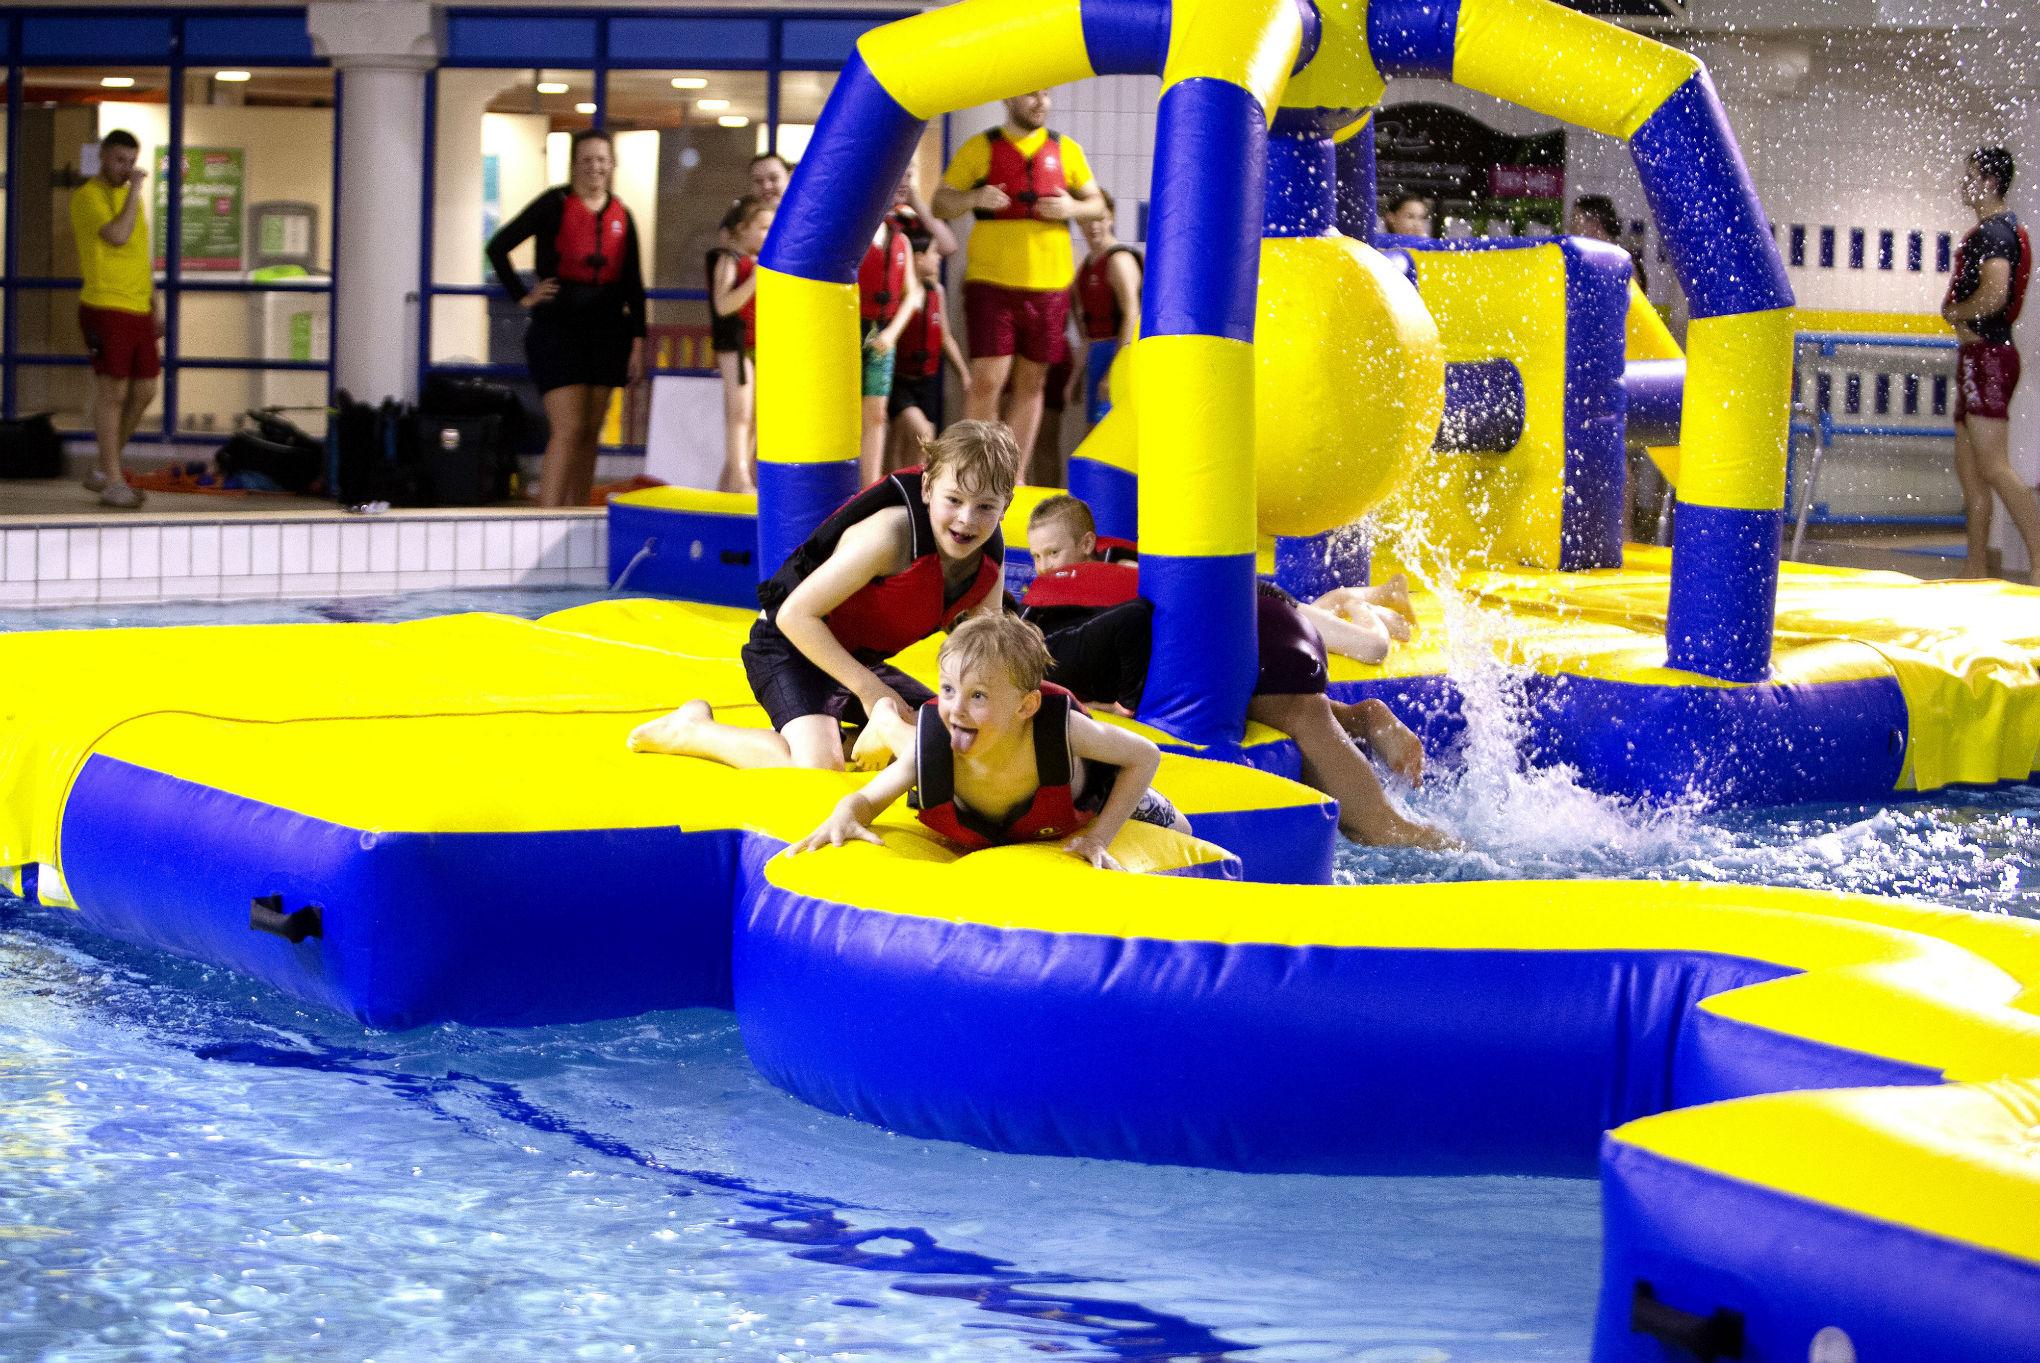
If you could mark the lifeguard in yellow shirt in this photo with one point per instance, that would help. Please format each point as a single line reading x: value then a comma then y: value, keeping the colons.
x: 116, y: 308
x: 1025, y: 184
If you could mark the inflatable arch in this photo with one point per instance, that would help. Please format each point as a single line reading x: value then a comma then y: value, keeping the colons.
x: 1253, y: 94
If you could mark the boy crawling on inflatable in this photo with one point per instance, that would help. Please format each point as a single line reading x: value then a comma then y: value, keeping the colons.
x: 1001, y: 756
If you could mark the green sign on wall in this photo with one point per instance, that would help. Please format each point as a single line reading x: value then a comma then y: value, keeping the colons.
x: 213, y: 200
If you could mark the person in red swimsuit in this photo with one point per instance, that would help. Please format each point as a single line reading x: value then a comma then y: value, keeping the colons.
x: 1984, y: 297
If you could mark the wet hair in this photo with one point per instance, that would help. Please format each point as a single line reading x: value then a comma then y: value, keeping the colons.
x: 1396, y: 202
x: 1601, y: 209
x: 590, y: 135
x: 1071, y: 513
x: 745, y: 209
x: 980, y: 455
x: 120, y: 137
x: 999, y: 641
x: 1995, y: 165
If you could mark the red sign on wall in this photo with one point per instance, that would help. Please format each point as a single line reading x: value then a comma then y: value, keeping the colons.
x: 1526, y: 182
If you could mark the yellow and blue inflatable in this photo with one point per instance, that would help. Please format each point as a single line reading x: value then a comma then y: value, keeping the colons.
x: 1814, y: 1116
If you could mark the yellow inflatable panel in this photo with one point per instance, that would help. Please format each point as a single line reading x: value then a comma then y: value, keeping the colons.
x: 1248, y: 43
x: 1196, y: 416
x: 1738, y: 405
x: 699, y: 500
x: 808, y: 379
x: 1562, y: 63
x: 1342, y: 75
x: 951, y: 58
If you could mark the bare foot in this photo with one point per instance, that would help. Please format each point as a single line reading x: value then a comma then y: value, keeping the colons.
x: 1397, y: 626
x: 674, y: 733
x: 1388, y: 738
x: 1394, y: 595
x: 1390, y: 829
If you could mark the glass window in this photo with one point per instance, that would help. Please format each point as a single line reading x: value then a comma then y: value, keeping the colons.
x: 64, y: 113
x: 684, y: 143
x: 64, y: 391
x: 801, y: 97
x: 501, y: 139
x: 210, y: 400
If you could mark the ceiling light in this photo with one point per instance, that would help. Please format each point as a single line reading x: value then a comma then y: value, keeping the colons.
x: 231, y: 75
x: 711, y: 105
x: 734, y: 121
x: 552, y: 87
x: 690, y: 82
x: 584, y: 108
x: 116, y: 82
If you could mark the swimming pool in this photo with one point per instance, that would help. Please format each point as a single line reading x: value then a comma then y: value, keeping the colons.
x: 197, y: 1163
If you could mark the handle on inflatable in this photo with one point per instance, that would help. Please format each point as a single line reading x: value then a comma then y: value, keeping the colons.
x: 1705, y: 1337
x: 265, y: 914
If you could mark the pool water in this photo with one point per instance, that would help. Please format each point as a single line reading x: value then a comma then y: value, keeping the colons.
x: 196, y: 1166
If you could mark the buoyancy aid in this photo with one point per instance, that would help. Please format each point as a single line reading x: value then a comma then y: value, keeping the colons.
x: 1055, y: 811
x: 920, y: 347
x: 1071, y: 595
x: 882, y: 276
x: 1096, y: 298
x: 888, y: 613
x: 739, y: 329
x: 1026, y: 179
x: 591, y: 244
x: 2022, y: 275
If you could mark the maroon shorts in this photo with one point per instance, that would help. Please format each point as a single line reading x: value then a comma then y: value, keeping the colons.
x: 1024, y: 322
x: 1986, y: 372
x: 122, y: 344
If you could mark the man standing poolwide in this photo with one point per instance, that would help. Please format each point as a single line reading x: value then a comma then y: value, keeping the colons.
x: 1026, y: 185
x: 116, y: 308
x: 1985, y: 294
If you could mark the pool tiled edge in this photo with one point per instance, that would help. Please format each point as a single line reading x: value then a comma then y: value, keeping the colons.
x: 68, y: 563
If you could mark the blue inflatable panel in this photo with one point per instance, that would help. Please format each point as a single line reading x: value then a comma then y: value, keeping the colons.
x: 1413, y: 37
x: 1720, y: 624
x: 1596, y: 474
x: 844, y: 184
x: 695, y: 555
x: 1204, y: 646
x: 1113, y: 495
x: 1290, y: 846
x: 1303, y: 173
x: 419, y: 928
x: 1791, y: 1267
x: 1484, y: 406
x: 801, y: 497
x: 1357, y: 189
x: 1308, y: 566
x: 1657, y: 401
x: 1204, y: 230
x: 1305, y: 1059
x: 1126, y: 37
x: 1721, y: 1058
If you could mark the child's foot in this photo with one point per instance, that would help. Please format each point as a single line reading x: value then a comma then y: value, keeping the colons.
x: 1388, y: 828
x: 1394, y: 595
x: 1374, y: 725
x: 673, y: 733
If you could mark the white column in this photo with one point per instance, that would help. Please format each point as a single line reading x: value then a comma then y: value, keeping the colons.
x: 385, y: 51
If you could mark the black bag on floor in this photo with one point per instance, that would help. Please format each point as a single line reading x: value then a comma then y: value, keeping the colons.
x: 461, y: 459
x: 461, y: 396
x: 31, y: 448
x: 372, y: 458
x: 276, y: 449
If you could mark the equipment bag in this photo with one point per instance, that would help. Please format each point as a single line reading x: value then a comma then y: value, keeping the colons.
x: 276, y: 449
x: 460, y: 458
x: 31, y: 448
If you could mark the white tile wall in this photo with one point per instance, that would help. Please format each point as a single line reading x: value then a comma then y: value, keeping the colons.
x: 240, y: 560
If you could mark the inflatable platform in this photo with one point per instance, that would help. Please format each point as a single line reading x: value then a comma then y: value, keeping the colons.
x: 1813, y: 1116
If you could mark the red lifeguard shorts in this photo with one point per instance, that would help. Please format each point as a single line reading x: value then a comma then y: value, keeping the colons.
x: 122, y: 344
x: 1986, y: 372
x: 1024, y: 322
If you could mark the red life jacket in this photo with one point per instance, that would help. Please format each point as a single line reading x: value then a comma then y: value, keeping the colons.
x: 746, y: 265
x: 1113, y: 549
x: 888, y: 613
x: 1072, y: 595
x: 1052, y: 814
x: 2022, y: 274
x: 1026, y: 179
x: 920, y: 345
x: 591, y: 245
x: 1096, y: 300
x: 882, y: 276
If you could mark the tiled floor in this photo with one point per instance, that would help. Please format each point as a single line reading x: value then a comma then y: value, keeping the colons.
x: 311, y: 554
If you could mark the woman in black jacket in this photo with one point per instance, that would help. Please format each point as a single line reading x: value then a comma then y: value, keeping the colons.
x: 587, y: 332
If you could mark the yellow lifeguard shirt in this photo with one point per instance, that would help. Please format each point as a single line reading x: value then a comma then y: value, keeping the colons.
x: 115, y: 276
x: 1018, y: 253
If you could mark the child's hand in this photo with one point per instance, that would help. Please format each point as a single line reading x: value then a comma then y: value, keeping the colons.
x: 1093, y: 850
x: 840, y: 828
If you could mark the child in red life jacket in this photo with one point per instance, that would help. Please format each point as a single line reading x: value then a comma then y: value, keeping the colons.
x: 733, y: 334
x: 1100, y: 633
x: 1002, y: 757
x: 908, y: 557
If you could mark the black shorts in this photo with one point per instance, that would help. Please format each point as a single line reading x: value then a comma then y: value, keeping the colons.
x: 1293, y: 661
x: 789, y: 685
x: 1105, y: 658
x: 924, y: 392
x: 563, y: 351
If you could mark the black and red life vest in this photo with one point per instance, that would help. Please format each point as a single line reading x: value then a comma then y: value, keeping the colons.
x: 1071, y: 595
x: 591, y: 244
x: 1053, y: 813
x: 1097, y: 301
x: 737, y: 330
x: 882, y: 276
x: 920, y: 345
x: 1026, y: 179
x: 2015, y: 296
x: 888, y: 613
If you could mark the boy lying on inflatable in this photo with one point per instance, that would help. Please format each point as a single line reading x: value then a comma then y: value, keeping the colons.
x: 1100, y: 633
x: 1000, y: 756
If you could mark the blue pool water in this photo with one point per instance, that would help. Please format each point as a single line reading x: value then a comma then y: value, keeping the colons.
x: 195, y: 1166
